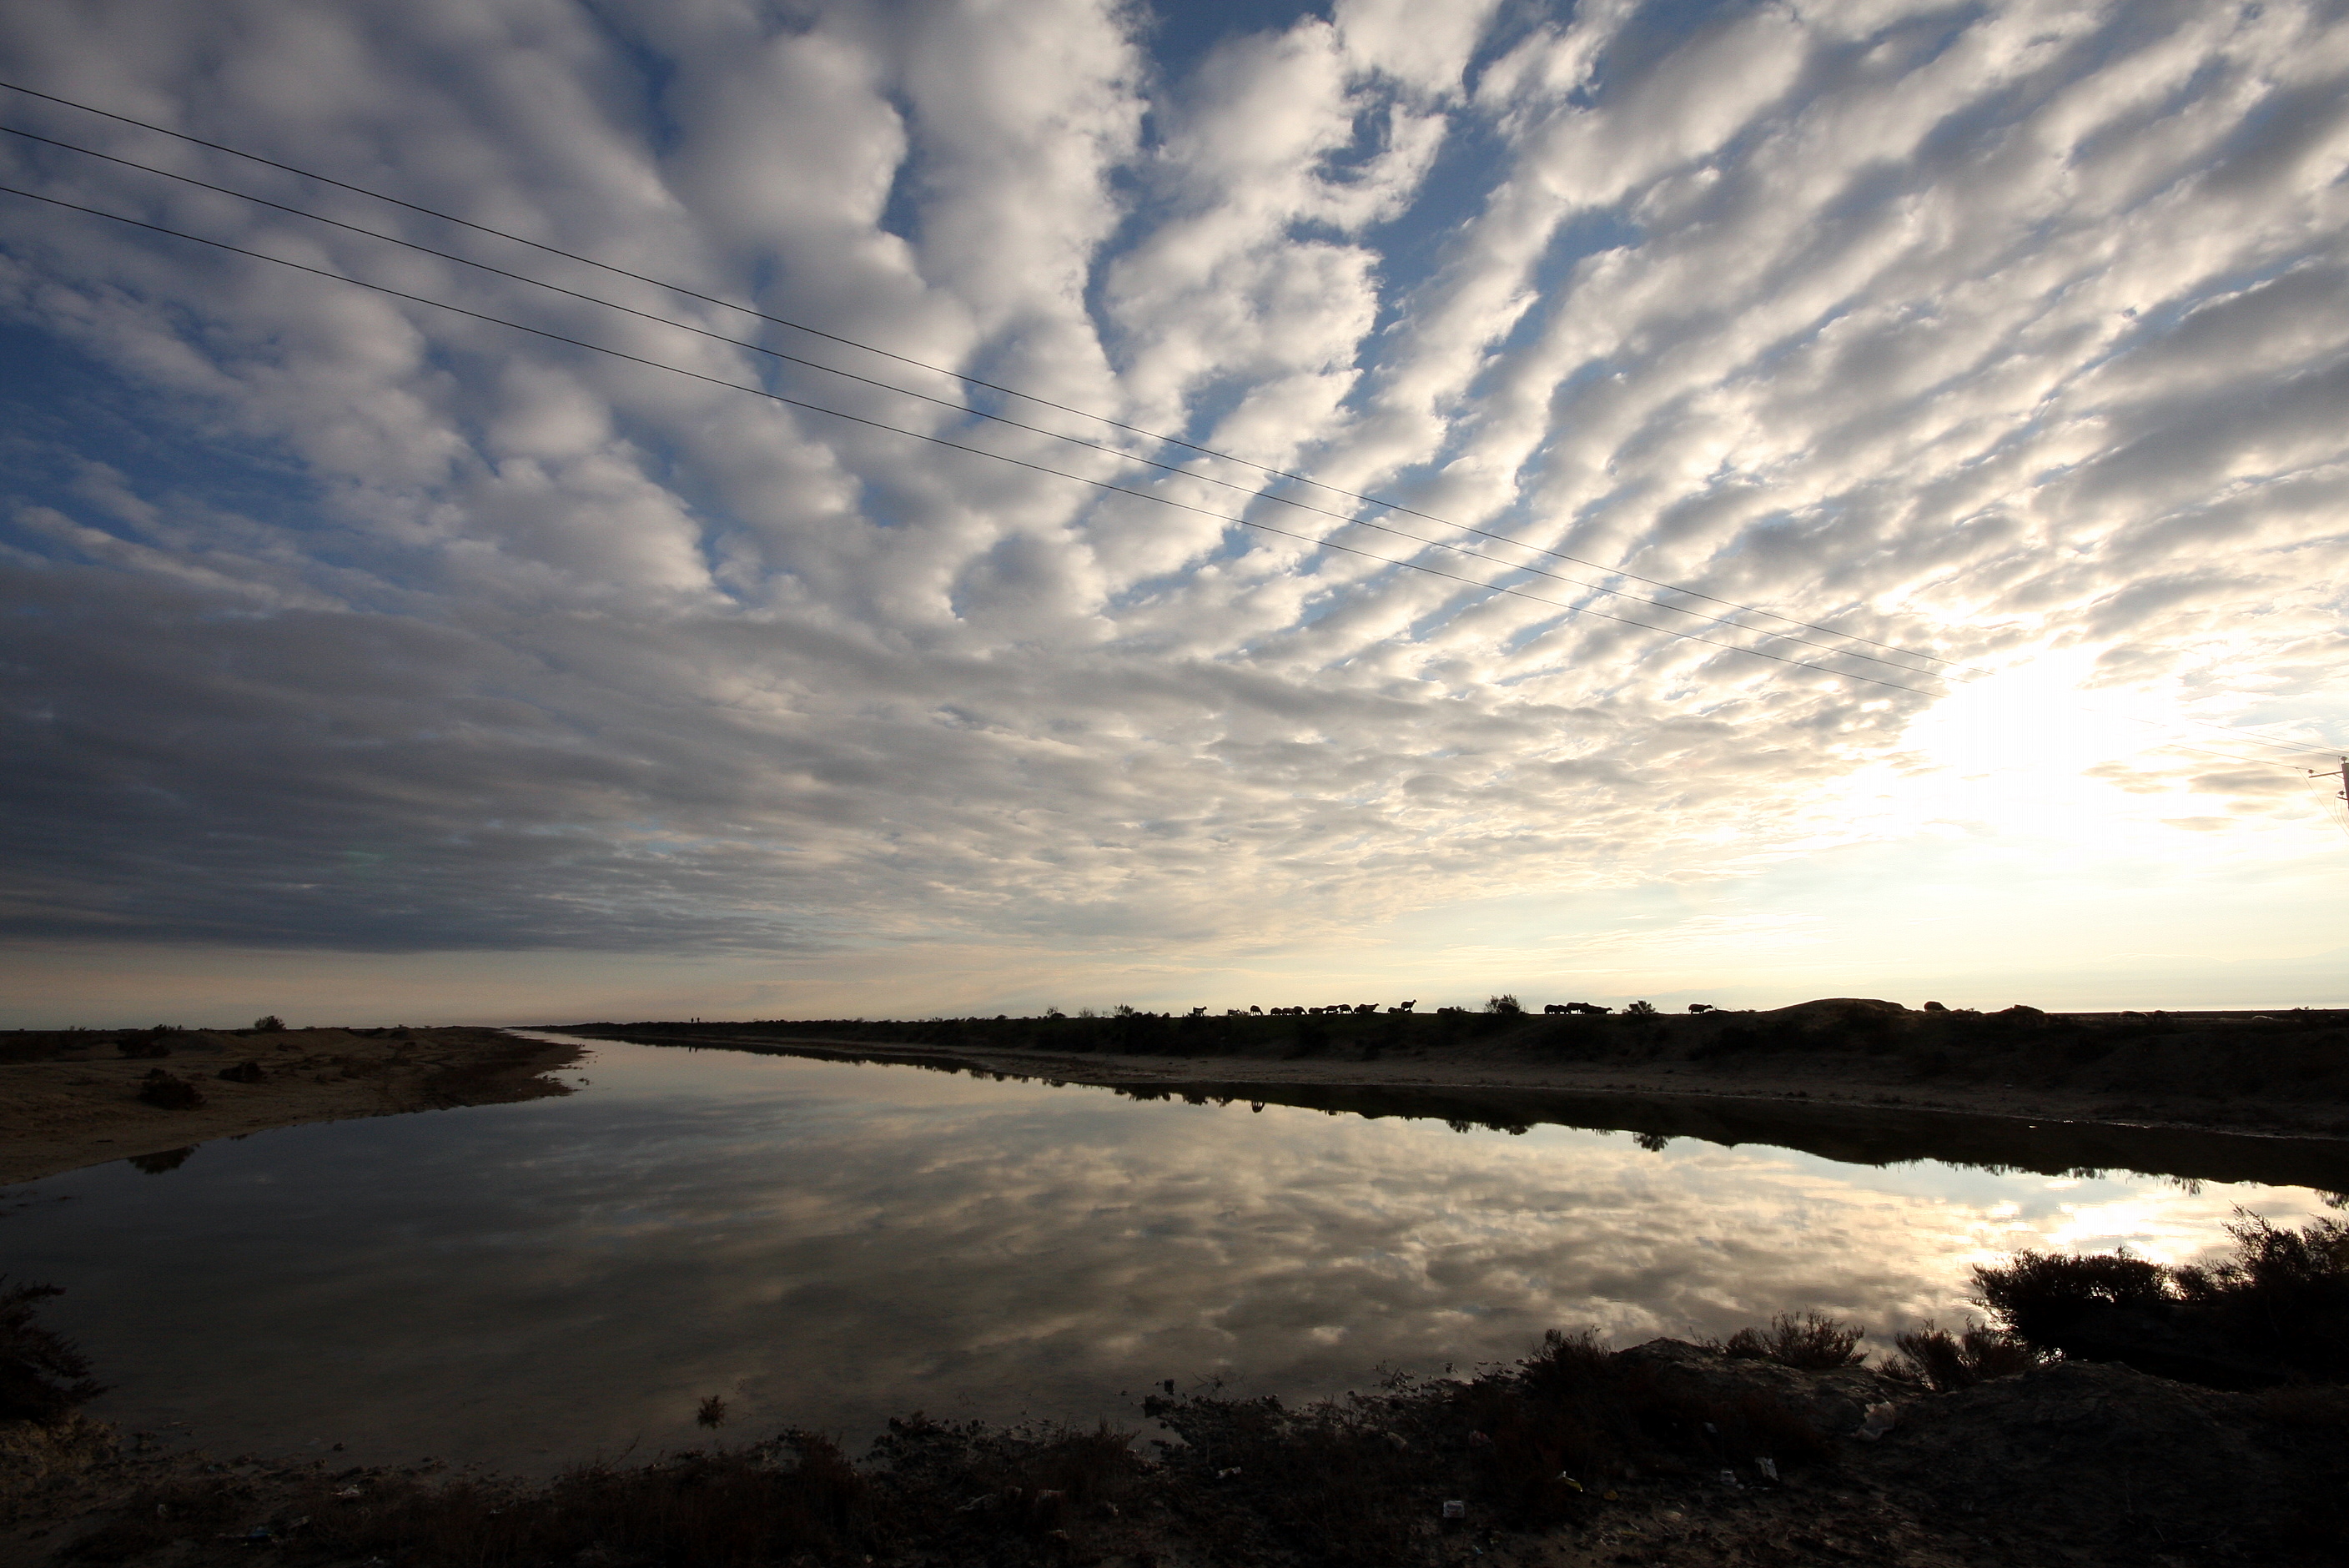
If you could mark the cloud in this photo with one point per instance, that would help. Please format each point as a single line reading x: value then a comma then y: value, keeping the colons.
x: 335, y: 619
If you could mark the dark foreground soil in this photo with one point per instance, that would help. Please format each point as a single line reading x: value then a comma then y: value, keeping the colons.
x: 73, y: 1098
x: 1664, y: 1454
x: 2230, y: 1097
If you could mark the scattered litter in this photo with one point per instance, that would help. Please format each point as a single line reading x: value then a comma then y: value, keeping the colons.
x: 1048, y: 1495
x: 1881, y: 1419
x: 1768, y: 1467
x: 1711, y: 1431
x: 347, y: 1491
x: 1479, y: 1440
x: 984, y: 1500
x: 1729, y: 1478
x: 1227, y: 1474
x: 1565, y: 1480
x: 1611, y: 1494
x: 1402, y: 1444
x: 1455, y: 1509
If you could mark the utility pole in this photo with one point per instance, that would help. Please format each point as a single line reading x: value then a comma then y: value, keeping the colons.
x: 2340, y: 773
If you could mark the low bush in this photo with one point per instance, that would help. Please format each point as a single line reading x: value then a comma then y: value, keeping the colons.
x: 163, y: 1091
x: 1813, y: 1343
x: 1946, y: 1362
x: 2277, y: 1311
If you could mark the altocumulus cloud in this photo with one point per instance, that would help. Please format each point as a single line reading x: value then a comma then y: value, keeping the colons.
x: 336, y: 620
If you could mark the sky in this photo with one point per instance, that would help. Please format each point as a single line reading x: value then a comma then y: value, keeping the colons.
x: 1731, y: 502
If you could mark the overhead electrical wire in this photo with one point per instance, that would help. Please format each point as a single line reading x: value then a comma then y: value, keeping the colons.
x: 955, y: 446
x: 1017, y: 462
x: 1180, y: 472
x: 967, y: 379
x: 1945, y: 675
x: 1062, y: 407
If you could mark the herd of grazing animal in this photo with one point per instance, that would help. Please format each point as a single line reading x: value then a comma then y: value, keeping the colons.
x: 1364, y: 1009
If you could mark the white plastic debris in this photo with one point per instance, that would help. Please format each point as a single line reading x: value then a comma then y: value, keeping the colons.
x: 1881, y: 1419
x: 1768, y: 1467
x: 1729, y: 1478
x: 1565, y: 1480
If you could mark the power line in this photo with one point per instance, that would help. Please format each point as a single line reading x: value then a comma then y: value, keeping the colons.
x: 958, y: 446
x: 1179, y: 472
x: 959, y: 376
x: 1022, y: 462
x: 1944, y: 674
x: 1101, y: 418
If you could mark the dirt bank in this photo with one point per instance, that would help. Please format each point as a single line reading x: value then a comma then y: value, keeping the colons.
x: 75, y: 1098
x: 2213, y: 1096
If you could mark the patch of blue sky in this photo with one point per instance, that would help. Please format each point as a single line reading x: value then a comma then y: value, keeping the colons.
x: 1414, y: 245
x: 901, y: 210
x: 64, y: 417
x: 1180, y: 33
x: 653, y: 75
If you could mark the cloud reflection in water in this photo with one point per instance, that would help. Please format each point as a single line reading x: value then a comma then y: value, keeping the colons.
x: 829, y: 1244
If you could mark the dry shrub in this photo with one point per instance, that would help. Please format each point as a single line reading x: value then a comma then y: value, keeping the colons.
x: 165, y: 1092
x: 1946, y: 1362
x: 2284, y: 1294
x: 1811, y: 1342
x: 2277, y: 1311
x: 2042, y: 1296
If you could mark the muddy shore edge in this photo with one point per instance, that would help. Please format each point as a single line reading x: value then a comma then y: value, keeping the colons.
x: 71, y: 1098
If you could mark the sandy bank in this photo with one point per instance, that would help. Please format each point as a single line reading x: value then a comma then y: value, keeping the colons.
x: 73, y: 1099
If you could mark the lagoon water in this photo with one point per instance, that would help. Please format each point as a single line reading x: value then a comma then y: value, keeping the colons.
x: 828, y: 1244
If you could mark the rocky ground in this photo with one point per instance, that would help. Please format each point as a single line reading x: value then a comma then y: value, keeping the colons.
x: 1666, y: 1454
x: 75, y: 1098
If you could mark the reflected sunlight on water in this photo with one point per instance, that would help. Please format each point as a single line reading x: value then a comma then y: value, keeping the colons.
x: 828, y: 1244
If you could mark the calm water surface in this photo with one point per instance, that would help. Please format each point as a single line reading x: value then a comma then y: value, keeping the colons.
x: 828, y: 1244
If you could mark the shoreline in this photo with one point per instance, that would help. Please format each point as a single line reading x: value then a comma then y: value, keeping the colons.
x: 1665, y: 1453
x: 71, y: 1098
x: 1823, y: 1107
